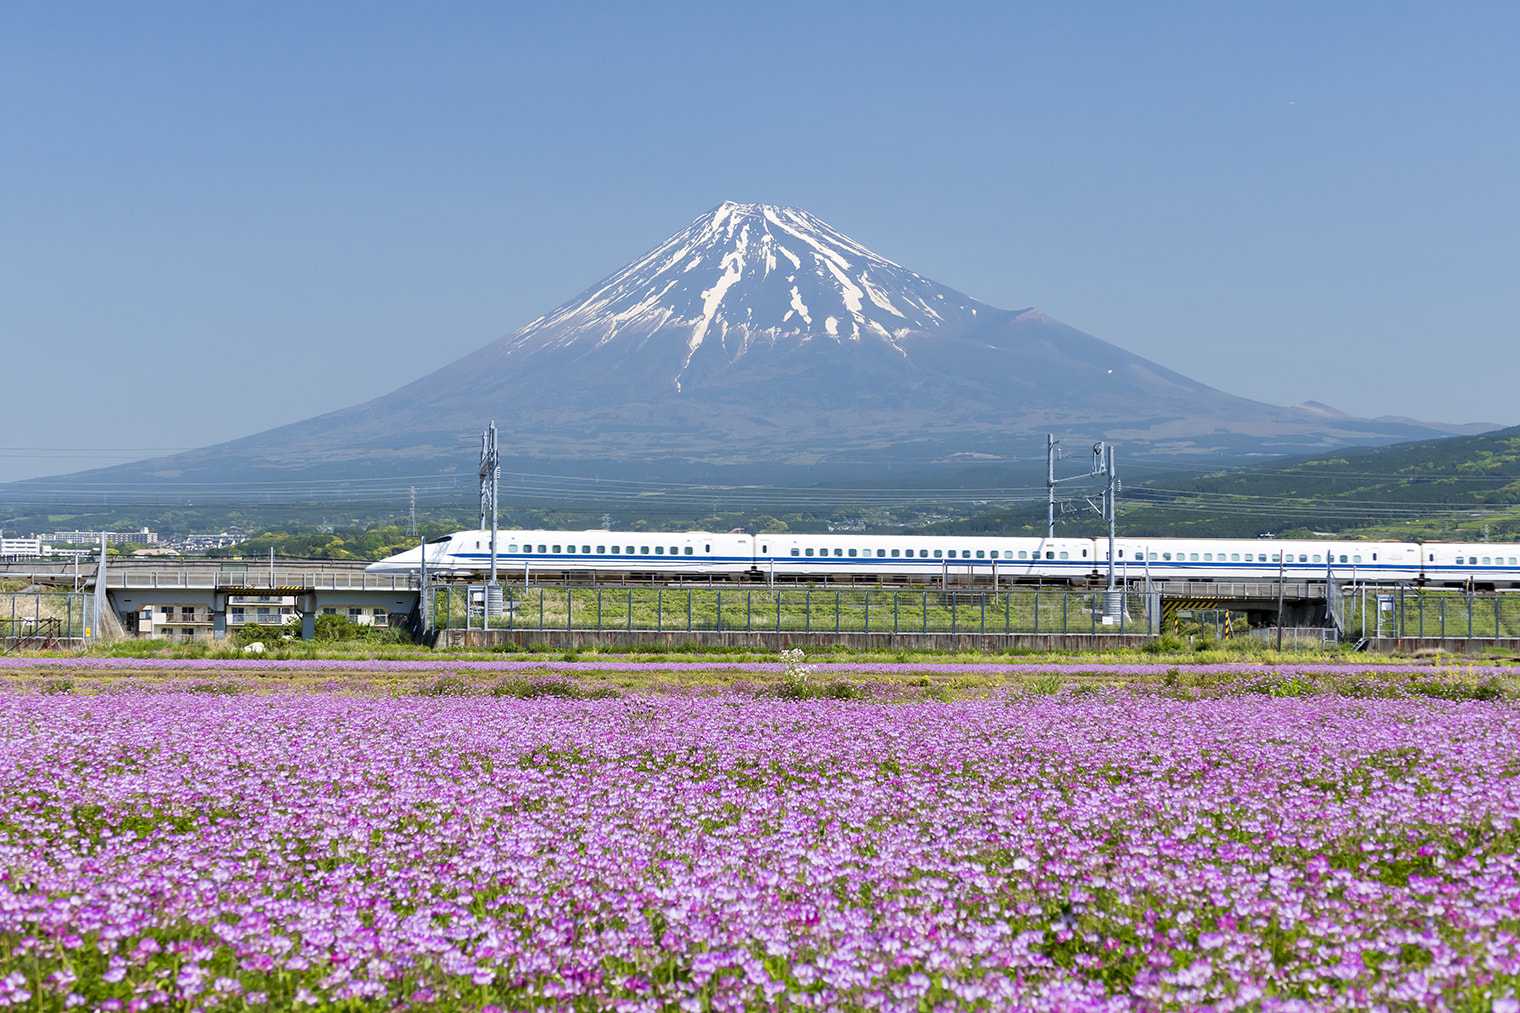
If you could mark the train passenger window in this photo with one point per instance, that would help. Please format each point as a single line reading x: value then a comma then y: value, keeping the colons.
x: 1302, y: 558
x: 543, y: 548
x: 689, y: 549
x: 897, y: 552
x: 938, y: 553
x: 922, y: 553
x: 1023, y: 554
x: 643, y: 550
x: 1139, y: 556
x: 993, y: 554
x: 601, y: 550
x: 556, y: 548
x: 981, y: 554
x: 675, y: 550
x: 1195, y: 557
x: 1487, y: 560
x: 1316, y: 557
x: 852, y: 553
x: 1234, y: 557
x: 1343, y: 557
x: 838, y: 552
x: 1358, y: 559
x: 1065, y: 555
x: 950, y: 554
x: 1511, y: 560
x: 511, y: 548
x: 1167, y: 556
x: 798, y: 552
x: 1208, y: 557
x: 1049, y: 554
x: 881, y: 553
x: 570, y: 548
x: 659, y: 550
x: 809, y: 552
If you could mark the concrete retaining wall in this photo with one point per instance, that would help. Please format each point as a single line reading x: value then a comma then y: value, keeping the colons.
x: 1408, y: 645
x: 771, y: 641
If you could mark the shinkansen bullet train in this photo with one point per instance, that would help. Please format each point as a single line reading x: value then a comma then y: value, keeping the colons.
x: 739, y: 556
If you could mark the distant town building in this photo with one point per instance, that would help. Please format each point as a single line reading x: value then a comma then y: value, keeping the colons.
x: 139, y: 537
x: 24, y: 548
x: 200, y: 543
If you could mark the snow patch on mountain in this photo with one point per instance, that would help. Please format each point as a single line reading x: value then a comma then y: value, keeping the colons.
x: 743, y: 274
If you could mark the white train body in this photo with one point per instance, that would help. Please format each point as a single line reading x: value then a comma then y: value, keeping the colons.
x: 677, y: 554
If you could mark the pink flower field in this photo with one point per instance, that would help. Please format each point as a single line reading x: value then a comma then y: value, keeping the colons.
x: 1099, y: 850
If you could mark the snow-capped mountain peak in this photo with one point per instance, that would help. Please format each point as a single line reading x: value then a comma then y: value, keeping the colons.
x: 745, y: 273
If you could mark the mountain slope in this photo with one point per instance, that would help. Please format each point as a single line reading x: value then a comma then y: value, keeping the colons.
x: 759, y: 335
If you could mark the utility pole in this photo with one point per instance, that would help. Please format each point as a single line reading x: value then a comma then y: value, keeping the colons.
x: 1050, y: 485
x: 490, y: 473
x: 1282, y: 571
x: 1111, y: 508
x: 412, y: 498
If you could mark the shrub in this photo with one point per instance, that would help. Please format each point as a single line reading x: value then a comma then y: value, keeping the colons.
x: 448, y: 684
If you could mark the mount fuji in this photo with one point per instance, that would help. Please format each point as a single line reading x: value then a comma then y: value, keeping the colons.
x: 760, y: 335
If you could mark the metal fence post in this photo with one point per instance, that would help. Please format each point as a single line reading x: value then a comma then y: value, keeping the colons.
x: 719, y: 612
x: 689, y: 593
x: 1469, y: 615
x: 659, y: 609
x: 749, y: 610
x: 778, y: 611
x: 807, y: 610
x: 836, y: 611
x: 894, y: 611
x: 955, y: 626
x: 984, y: 614
x: 629, y: 602
x: 598, y: 609
x: 569, y: 608
x: 925, y: 612
x: 1007, y: 610
x: 1036, y: 611
x: 1496, y: 615
x: 541, y: 608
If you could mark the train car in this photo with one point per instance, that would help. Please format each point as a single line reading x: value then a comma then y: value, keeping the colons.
x: 1476, y: 564
x: 909, y: 556
x: 523, y: 552
x: 1261, y: 559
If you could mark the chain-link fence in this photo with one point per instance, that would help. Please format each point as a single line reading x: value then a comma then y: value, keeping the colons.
x: 799, y: 610
x: 1412, y: 612
x: 42, y: 619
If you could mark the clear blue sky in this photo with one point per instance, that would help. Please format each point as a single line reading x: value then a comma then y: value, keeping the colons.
x: 217, y: 218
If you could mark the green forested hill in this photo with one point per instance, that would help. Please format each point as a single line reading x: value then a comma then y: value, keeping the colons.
x: 1460, y: 487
